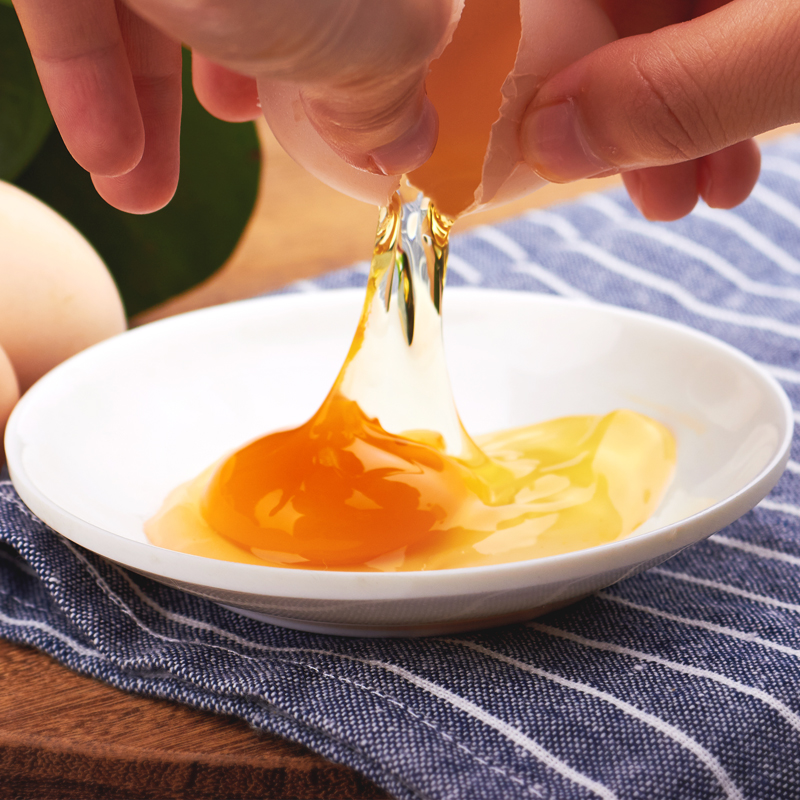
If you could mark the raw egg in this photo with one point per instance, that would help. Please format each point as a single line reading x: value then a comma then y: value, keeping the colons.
x: 385, y: 477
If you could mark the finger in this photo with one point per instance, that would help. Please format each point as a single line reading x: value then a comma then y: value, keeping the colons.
x: 361, y: 65
x: 664, y: 193
x: 674, y: 95
x: 726, y: 178
x: 224, y: 93
x: 83, y: 67
x: 631, y: 17
x: 387, y: 129
x: 155, y: 61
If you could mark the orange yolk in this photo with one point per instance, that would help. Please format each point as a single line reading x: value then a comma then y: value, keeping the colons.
x: 340, y: 490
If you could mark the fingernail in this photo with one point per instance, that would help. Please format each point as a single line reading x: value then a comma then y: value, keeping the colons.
x: 413, y: 148
x: 555, y: 146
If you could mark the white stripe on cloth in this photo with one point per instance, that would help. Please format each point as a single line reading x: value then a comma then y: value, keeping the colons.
x: 678, y: 736
x: 785, y: 508
x: 575, y: 242
x: 305, y: 286
x: 505, y: 244
x: 728, y: 589
x: 699, y: 623
x: 793, y: 466
x: 776, y: 203
x: 783, y: 166
x: 22, y: 566
x: 479, y: 714
x: 464, y: 269
x: 502, y: 727
x: 745, y: 231
x: 51, y: 631
x: 773, y: 702
x: 522, y: 263
x: 128, y: 611
x: 700, y: 252
x: 550, y: 280
x: 746, y: 547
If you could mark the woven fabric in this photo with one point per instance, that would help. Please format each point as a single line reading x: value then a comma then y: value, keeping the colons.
x: 681, y: 682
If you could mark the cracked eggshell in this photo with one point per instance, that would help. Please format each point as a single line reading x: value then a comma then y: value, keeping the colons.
x: 554, y: 35
x: 493, y: 59
x: 56, y: 295
x: 286, y: 116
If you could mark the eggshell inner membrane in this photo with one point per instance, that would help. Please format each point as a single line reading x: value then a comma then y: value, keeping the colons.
x: 465, y: 85
x: 554, y: 35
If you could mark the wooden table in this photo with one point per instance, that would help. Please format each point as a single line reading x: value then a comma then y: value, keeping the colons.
x: 67, y: 736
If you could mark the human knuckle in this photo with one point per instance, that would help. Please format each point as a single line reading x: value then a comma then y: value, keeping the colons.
x: 675, y: 97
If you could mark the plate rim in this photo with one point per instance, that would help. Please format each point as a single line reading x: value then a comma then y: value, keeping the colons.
x: 353, y: 585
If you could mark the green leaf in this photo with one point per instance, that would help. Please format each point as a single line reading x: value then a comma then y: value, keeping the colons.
x: 156, y: 256
x: 24, y: 116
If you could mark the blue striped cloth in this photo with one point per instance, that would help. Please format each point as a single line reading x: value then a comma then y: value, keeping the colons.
x: 680, y: 683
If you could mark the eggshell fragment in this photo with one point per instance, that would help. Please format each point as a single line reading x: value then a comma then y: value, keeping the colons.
x: 9, y: 394
x: 56, y: 295
x: 498, y: 56
x: 554, y: 35
x: 284, y: 111
x: 286, y: 116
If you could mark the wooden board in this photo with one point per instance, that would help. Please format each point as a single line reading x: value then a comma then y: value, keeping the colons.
x: 65, y: 736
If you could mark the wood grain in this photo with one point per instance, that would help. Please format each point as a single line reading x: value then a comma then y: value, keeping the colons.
x: 64, y: 736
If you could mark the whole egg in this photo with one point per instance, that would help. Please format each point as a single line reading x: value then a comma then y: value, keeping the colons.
x: 56, y: 295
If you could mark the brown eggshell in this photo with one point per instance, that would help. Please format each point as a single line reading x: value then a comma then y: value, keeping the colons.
x: 56, y: 295
x: 553, y: 35
x: 286, y: 116
x: 9, y: 394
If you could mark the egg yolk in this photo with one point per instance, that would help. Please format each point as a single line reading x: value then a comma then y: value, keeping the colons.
x: 384, y: 476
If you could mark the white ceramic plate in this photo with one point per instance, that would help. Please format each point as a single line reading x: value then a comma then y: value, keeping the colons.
x: 97, y: 444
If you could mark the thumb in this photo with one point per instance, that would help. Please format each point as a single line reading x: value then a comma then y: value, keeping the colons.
x: 677, y: 94
x: 386, y: 126
x: 360, y: 65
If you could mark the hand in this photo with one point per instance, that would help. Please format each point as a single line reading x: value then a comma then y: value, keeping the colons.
x: 674, y: 105
x: 111, y: 74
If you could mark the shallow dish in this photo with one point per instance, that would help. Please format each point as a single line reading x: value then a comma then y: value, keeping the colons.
x: 96, y: 445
